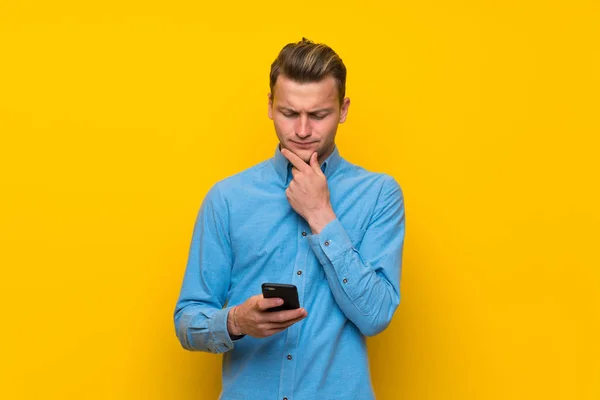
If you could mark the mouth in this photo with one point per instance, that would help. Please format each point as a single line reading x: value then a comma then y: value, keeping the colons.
x: 303, y: 145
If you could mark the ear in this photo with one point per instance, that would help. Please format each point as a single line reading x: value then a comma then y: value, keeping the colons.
x: 270, y: 96
x: 344, y: 110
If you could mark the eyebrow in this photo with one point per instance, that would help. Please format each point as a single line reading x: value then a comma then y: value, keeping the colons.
x: 317, y: 111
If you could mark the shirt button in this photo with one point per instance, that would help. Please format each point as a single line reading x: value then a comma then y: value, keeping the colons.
x: 345, y: 280
x: 303, y: 233
x: 299, y: 272
x: 327, y: 243
x: 289, y: 357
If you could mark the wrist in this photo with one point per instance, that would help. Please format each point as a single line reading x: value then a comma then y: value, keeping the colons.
x: 320, y: 219
x: 232, y: 325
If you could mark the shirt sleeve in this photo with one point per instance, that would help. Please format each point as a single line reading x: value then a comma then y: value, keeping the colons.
x: 365, y: 281
x: 200, y: 317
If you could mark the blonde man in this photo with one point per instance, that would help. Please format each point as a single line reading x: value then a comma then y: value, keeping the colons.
x: 309, y: 218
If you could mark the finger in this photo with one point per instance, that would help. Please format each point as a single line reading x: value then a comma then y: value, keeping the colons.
x: 314, y: 163
x: 285, y: 315
x: 264, y: 304
x: 279, y: 326
x: 291, y: 187
x: 295, y: 171
x: 271, y: 332
x: 288, y: 322
x: 295, y: 160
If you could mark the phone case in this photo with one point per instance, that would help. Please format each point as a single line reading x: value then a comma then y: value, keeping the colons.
x: 289, y: 294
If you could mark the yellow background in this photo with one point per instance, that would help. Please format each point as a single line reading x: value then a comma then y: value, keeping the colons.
x: 116, y: 118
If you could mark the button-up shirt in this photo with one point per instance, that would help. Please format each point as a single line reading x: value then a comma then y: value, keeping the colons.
x: 348, y: 279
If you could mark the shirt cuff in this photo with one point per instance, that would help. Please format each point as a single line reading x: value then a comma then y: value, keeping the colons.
x: 331, y: 243
x: 217, y: 326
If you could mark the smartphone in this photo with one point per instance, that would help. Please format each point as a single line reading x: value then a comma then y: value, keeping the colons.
x: 289, y: 294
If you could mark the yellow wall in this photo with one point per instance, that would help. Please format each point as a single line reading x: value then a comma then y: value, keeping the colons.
x: 115, y: 119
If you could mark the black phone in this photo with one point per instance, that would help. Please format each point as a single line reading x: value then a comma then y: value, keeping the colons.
x: 289, y: 294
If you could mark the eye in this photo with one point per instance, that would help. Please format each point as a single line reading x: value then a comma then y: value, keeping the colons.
x: 290, y: 115
x: 319, y: 117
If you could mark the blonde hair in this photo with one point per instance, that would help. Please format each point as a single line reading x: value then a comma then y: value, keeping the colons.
x: 306, y: 61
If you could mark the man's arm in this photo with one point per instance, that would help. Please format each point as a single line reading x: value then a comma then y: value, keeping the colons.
x: 200, y: 319
x: 201, y: 322
x: 365, y: 282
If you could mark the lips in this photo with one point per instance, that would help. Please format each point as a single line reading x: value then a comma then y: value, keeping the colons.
x: 303, y: 145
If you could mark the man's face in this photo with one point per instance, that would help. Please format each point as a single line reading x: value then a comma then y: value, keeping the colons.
x: 306, y: 115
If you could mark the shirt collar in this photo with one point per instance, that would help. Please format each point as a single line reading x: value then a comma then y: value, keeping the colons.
x: 283, y: 166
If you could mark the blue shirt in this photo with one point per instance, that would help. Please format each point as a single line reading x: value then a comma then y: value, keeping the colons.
x: 348, y: 280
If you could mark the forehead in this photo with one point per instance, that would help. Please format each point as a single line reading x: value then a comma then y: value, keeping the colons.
x: 290, y: 93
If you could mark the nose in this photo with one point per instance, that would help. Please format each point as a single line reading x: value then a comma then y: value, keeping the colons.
x: 302, y: 127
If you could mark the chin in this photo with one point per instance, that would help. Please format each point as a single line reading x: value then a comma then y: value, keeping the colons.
x: 304, y: 155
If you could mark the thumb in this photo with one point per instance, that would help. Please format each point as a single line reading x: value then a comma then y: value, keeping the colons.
x: 314, y: 162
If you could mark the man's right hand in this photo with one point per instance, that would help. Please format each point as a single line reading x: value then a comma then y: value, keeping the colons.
x: 252, y: 317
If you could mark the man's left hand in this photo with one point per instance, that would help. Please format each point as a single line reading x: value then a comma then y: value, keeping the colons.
x: 308, y: 192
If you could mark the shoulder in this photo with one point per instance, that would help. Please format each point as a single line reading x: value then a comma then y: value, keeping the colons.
x: 227, y: 188
x: 379, y: 181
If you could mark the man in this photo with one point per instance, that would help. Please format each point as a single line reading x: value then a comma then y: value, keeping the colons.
x: 306, y: 217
